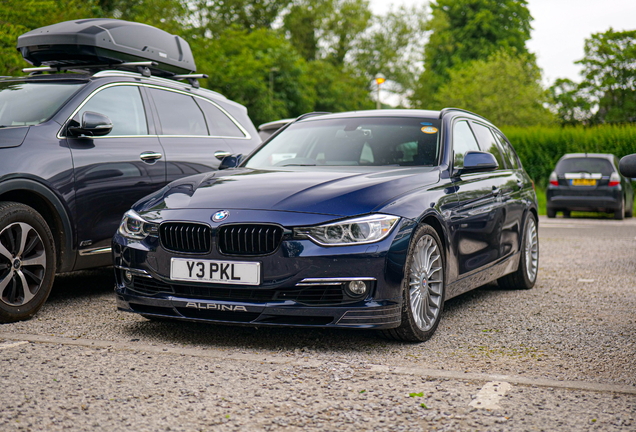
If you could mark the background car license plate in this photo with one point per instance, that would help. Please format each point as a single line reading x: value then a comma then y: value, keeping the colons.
x: 228, y: 272
x: 583, y: 182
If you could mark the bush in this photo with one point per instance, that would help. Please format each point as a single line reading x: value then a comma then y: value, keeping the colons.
x: 539, y: 148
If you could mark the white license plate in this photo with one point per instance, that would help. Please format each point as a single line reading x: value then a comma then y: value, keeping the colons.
x: 227, y: 272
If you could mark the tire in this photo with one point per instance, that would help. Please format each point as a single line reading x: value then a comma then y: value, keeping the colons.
x: 529, y: 258
x: 551, y: 213
x: 27, y: 262
x: 421, y: 318
x: 619, y: 214
x: 567, y: 213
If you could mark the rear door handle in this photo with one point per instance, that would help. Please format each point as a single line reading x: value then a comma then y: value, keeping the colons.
x: 150, y: 156
x: 496, y: 191
x: 221, y: 154
x: 520, y: 183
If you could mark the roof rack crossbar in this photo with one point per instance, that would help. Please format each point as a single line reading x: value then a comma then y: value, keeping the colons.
x: 192, y: 78
x: 143, y: 64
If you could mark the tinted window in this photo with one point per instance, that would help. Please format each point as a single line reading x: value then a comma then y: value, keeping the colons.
x: 218, y: 123
x: 353, y: 141
x: 585, y: 164
x: 463, y: 141
x: 25, y: 104
x: 178, y: 113
x: 488, y: 142
x: 510, y: 153
x: 123, y: 106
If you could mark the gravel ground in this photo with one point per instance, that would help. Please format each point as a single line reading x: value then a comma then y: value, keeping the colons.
x: 577, y: 324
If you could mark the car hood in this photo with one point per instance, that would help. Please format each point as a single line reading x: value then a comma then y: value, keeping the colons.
x: 338, y: 191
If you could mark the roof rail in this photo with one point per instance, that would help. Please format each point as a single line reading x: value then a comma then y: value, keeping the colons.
x: 142, y: 68
x: 446, y: 110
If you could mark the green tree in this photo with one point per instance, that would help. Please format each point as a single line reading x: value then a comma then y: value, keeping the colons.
x: 505, y: 89
x: 20, y: 16
x: 465, y: 30
x: 246, y: 14
x: 393, y: 46
x: 168, y: 15
x: 570, y: 102
x: 609, y: 71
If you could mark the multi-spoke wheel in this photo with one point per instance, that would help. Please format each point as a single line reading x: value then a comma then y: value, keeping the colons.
x: 423, y: 288
x: 27, y: 259
x: 526, y: 274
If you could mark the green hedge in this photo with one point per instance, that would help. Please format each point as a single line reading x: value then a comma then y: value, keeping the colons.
x: 541, y: 147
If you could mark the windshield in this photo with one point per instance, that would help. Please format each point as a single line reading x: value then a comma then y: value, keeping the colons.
x: 585, y: 165
x: 370, y: 141
x: 31, y: 103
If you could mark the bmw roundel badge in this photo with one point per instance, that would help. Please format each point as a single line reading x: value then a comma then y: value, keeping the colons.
x: 220, y: 215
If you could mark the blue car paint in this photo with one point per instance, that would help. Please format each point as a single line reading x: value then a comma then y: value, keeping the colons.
x: 302, y: 196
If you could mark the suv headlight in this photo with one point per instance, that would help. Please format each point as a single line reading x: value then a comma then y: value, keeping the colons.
x: 360, y: 230
x: 135, y: 227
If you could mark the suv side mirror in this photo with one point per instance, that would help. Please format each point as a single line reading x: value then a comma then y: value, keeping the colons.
x: 478, y: 162
x: 93, y: 124
x: 627, y: 166
x: 231, y: 161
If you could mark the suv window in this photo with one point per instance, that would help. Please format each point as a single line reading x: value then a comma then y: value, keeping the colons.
x: 489, y: 143
x: 510, y: 153
x: 178, y: 113
x: 463, y: 141
x: 219, y: 124
x: 584, y: 164
x: 30, y: 103
x: 123, y: 106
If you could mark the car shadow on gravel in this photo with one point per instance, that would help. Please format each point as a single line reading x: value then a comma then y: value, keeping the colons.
x: 82, y: 284
x: 189, y: 334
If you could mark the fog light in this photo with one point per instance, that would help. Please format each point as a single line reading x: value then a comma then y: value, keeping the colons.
x: 128, y: 276
x: 357, y: 288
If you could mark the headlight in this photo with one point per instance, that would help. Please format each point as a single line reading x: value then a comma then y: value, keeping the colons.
x: 135, y: 227
x: 366, y: 229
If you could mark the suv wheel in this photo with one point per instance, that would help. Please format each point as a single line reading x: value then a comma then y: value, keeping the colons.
x: 27, y: 262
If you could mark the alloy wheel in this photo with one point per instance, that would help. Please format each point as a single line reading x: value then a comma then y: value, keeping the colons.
x: 426, y: 281
x: 531, y: 250
x: 22, y: 263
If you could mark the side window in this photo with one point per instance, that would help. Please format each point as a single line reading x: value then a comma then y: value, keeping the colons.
x: 488, y: 142
x: 463, y: 141
x: 510, y: 153
x: 178, y: 113
x: 123, y: 106
x: 220, y: 125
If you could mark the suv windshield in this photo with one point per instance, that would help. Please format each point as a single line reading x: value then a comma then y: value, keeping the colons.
x: 367, y: 141
x: 586, y: 165
x: 31, y: 103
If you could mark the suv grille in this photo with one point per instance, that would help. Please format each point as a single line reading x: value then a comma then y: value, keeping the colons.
x: 249, y: 239
x: 185, y: 237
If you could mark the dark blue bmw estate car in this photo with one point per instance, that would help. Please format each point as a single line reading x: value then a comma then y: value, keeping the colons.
x: 359, y: 220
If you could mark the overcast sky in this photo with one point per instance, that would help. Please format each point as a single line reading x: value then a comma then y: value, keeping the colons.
x: 560, y: 28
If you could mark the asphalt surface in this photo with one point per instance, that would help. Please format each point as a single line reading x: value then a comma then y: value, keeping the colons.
x: 559, y: 356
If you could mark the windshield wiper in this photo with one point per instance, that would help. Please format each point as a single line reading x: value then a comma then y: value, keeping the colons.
x: 299, y: 165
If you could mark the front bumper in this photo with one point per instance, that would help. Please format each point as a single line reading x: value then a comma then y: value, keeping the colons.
x: 284, y: 297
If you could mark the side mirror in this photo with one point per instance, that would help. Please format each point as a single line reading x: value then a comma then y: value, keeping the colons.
x: 93, y: 124
x: 627, y: 166
x: 478, y: 162
x: 231, y: 161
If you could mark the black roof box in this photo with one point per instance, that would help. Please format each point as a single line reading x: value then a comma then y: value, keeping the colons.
x: 105, y: 42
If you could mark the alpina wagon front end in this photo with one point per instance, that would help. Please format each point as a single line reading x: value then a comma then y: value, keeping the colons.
x: 363, y: 220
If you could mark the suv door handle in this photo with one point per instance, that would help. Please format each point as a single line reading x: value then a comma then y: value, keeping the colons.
x: 150, y: 156
x: 496, y: 191
x: 221, y: 154
x: 520, y: 183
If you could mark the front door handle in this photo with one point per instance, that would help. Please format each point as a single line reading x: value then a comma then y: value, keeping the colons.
x: 520, y: 183
x: 221, y: 154
x: 150, y: 156
x: 496, y: 191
